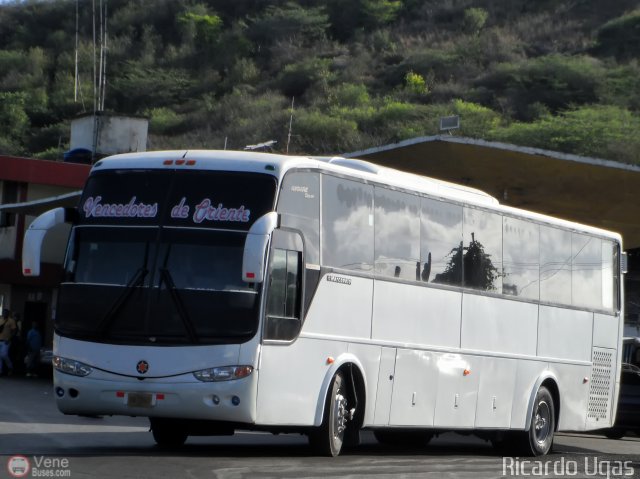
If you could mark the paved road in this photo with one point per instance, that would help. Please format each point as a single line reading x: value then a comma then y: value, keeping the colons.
x: 67, y: 446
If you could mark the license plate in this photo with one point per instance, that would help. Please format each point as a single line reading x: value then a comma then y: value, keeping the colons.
x: 140, y: 400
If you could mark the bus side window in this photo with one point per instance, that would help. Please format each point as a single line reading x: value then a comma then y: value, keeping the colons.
x: 283, y: 301
x: 299, y: 208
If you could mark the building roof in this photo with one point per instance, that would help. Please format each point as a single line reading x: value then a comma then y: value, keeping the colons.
x: 43, y: 172
x: 591, y: 191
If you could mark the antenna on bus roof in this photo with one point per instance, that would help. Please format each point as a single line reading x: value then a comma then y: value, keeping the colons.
x: 293, y: 98
x: 267, y: 145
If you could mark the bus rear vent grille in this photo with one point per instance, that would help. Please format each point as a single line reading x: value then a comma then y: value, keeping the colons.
x: 600, y: 388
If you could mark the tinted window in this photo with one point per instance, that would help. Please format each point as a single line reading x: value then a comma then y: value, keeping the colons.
x: 205, y: 263
x: 555, y: 265
x: 136, y: 286
x: 100, y: 256
x: 299, y: 205
x: 610, y: 277
x: 397, y: 234
x: 124, y: 197
x: 347, y: 224
x: 441, y: 242
x: 482, y: 263
x: 283, y: 304
x: 203, y: 199
x: 586, y: 271
x: 521, y: 258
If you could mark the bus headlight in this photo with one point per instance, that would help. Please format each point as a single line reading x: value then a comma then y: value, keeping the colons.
x: 224, y: 373
x: 69, y: 366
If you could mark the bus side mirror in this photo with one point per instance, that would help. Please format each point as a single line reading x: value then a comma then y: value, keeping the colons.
x: 34, y: 236
x: 255, y: 246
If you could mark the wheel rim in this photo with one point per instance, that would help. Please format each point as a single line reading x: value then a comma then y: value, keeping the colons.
x: 339, y: 416
x: 542, y: 422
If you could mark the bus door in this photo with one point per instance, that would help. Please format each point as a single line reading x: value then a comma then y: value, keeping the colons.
x: 291, y: 368
x: 283, y: 318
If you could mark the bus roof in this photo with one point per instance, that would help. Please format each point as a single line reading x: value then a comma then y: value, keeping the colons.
x: 277, y: 165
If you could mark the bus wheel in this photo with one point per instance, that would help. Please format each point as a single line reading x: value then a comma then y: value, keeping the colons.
x: 167, y: 434
x: 327, y: 439
x: 537, y: 441
x: 615, y: 433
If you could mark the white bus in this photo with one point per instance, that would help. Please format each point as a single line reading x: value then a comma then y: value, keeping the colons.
x: 213, y: 291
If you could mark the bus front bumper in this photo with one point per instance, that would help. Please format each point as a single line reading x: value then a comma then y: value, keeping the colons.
x: 176, y: 397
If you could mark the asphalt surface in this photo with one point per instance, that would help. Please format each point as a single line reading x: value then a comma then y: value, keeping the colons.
x: 55, y: 445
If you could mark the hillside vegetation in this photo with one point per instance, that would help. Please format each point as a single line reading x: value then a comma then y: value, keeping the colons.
x: 556, y: 74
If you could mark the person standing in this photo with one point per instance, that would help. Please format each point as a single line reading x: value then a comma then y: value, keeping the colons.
x: 34, y: 343
x: 8, y: 329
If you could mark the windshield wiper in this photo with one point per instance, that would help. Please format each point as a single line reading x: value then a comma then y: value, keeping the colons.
x: 165, y: 276
x: 134, y: 282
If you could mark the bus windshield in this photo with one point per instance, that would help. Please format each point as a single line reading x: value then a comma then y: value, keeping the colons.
x: 156, y: 280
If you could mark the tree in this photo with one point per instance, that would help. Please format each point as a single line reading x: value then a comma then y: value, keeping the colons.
x: 348, y: 16
x: 620, y: 37
x: 290, y: 21
x: 13, y: 122
x: 472, y: 262
x: 474, y: 20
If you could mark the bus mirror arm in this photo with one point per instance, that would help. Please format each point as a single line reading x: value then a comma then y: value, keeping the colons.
x: 253, y: 264
x: 34, y: 236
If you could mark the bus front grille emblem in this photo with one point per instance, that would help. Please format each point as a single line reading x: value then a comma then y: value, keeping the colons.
x: 142, y: 367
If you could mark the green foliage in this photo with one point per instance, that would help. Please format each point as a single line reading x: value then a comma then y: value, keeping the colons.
x: 206, y: 27
x: 474, y: 20
x: 348, y: 16
x: 316, y: 132
x: 54, y: 153
x: 19, y: 69
x: 139, y: 88
x: 363, y: 72
x: 295, y: 79
x: 49, y: 138
x: 350, y: 95
x: 621, y: 87
x: 245, y: 118
x: 13, y: 117
x: 556, y: 81
x: 476, y: 120
x: 244, y: 72
x: 416, y: 84
x: 288, y: 22
x: 378, y: 13
x: 164, y: 121
x: 620, y: 37
x: 600, y: 131
x: 440, y: 65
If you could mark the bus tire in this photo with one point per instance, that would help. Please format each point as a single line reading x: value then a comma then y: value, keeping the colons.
x: 537, y: 441
x: 615, y: 433
x: 167, y: 434
x: 327, y: 440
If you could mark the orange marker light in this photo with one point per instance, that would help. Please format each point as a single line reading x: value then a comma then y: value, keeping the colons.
x: 167, y: 162
x: 466, y: 372
x: 330, y: 360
